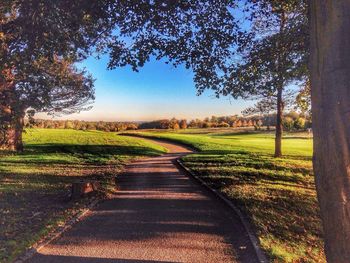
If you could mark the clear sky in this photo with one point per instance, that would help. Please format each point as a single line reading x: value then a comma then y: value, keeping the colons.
x: 157, y: 91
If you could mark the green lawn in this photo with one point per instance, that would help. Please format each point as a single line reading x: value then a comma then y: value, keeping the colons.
x: 34, y: 185
x: 278, y: 195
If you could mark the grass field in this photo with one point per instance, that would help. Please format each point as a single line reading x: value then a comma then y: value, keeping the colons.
x: 34, y: 185
x: 278, y: 194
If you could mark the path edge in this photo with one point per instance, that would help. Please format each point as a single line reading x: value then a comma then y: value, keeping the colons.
x: 253, y: 239
x: 57, y: 232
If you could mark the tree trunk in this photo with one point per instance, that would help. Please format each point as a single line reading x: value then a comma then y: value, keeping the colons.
x: 11, y: 132
x: 330, y: 83
x: 14, y: 140
x: 280, y: 61
x: 268, y: 121
x: 279, y: 125
x: 12, y: 113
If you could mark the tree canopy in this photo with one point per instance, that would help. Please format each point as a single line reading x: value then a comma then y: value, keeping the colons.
x: 275, y: 57
x: 238, y: 49
x: 39, y: 43
x: 198, y: 34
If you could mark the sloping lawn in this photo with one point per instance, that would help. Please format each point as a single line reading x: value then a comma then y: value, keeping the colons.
x: 278, y: 194
x: 34, y: 185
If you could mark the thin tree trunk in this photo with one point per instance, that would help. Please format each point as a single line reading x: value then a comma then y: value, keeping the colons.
x: 268, y: 121
x: 280, y: 61
x: 279, y: 125
x: 330, y: 83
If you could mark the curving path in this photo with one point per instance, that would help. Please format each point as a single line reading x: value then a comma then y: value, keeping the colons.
x: 158, y: 215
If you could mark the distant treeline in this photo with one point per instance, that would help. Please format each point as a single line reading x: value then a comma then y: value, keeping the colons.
x: 213, y: 122
x: 81, y: 125
x: 292, y: 121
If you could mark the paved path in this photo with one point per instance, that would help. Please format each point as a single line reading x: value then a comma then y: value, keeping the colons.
x: 159, y: 215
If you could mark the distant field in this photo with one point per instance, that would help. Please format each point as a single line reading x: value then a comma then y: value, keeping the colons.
x: 34, y: 185
x: 278, y: 194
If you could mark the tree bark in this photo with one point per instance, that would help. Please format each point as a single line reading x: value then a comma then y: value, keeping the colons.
x: 279, y: 125
x: 14, y: 138
x: 280, y: 61
x: 12, y: 113
x: 12, y: 135
x: 330, y: 86
x: 11, y: 128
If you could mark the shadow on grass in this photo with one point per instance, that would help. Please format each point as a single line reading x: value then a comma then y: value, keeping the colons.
x: 255, y: 155
x: 94, y: 149
x: 53, y: 163
x: 38, y: 153
x: 251, y: 132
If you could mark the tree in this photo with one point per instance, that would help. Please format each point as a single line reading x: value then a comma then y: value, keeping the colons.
x: 299, y: 123
x: 330, y: 78
x: 55, y: 86
x: 303, y: 99
x: 164, y: 124
x: 263, y: 107
x: 197, y: 33
x: 288, y: 123
x: 232, y: 119
x: 197, y: 123
x: 174, y: 124
x: 132, y: 126
x: 69, y: 125
x: 214, y: 120
x: 183, y: 124
x: 223, y: 125
x: 39, y: 42
x: 207, y: 124
x: 275, y: 57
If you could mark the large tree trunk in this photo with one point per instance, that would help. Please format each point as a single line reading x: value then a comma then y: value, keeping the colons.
x: 330, y: 83
x: 279, y: 124
x: 12, y: 113
x: 14, y: 140
x: 11, y: 127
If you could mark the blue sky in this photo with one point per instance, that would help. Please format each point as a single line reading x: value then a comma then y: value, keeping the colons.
x: 157, y: 91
